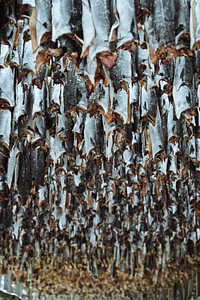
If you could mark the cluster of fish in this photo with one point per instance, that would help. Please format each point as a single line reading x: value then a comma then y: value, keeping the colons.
x: 99, y: 131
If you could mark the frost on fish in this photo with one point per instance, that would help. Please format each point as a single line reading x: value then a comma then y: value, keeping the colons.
x: 181, y: 86
x: 43, y: 21
x: 5, y: 127
x: 28, y: 65
x: 61, y: 15
x: 101, y: 20
x: 156, y: 135
x: 99, y: 135
x: 127, y: 28
x: 7, y: 90
x: 182, y: 21
x: 194, y: 24
x: 164, y: 14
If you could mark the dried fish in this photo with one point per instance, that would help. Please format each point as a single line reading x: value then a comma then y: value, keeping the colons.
x: 99, y: 148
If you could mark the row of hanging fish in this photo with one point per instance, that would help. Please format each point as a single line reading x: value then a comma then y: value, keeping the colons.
x: 99, y: 131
